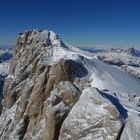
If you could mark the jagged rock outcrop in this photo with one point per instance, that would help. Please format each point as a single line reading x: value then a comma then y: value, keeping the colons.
x: 93, y: 119
x: 38, y: 93
x: 132, y: 127
x: 41, y: 94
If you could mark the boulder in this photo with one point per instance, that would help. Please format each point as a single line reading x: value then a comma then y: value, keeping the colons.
x: 92, y: 118
x: 132, y: 127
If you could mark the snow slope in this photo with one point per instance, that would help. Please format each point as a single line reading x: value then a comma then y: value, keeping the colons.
x: 105, y: 77
x: 108, y: 77
x: 102, y: 75
x: 34, y: 84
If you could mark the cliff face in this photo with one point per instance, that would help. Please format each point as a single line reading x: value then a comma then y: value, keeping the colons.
x: 92, y: 118
x: 42, y: 88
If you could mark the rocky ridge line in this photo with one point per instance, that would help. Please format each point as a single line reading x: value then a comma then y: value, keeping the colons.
x: 47, y: 95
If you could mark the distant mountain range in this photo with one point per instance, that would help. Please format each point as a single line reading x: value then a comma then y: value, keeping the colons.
x: 6, y: 46
x: 5, y: 59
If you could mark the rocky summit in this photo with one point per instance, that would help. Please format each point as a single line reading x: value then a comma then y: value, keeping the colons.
x: 55, y: 91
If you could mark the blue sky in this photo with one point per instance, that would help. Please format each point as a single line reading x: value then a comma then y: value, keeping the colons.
x: 79, y: 22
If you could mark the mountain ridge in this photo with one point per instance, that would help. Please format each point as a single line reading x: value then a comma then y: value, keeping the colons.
x: 51, y: 82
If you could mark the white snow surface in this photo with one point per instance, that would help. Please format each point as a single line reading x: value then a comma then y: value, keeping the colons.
x: 104, y: 76
x: 108, y: 77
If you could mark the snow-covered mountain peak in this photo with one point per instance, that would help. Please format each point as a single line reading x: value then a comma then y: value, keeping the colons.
x: 101, y: 75
x: 40, y: 37
x: 129, y: 51
x: 57, y: 91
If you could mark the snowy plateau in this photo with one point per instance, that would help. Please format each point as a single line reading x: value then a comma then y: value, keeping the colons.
x: 55, y: 91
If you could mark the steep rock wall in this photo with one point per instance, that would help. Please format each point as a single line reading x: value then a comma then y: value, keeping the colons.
x: 41, y: 90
